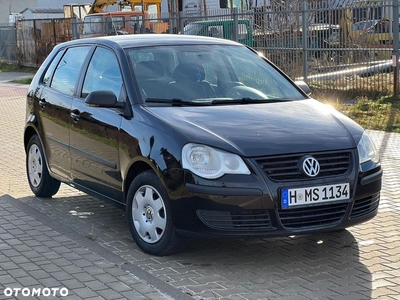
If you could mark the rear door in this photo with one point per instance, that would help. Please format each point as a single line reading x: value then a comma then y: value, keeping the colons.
x: 94, y: 134
x: 59, y: 84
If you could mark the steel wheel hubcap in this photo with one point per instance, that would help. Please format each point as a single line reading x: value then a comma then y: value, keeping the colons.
x: 148, y: 213
x: 35, y: 165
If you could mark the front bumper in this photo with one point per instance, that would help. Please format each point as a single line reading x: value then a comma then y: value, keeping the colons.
x: 249, y: 206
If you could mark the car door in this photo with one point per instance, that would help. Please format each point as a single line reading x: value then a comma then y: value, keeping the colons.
x: 94, y: 131
x: 55, y: 100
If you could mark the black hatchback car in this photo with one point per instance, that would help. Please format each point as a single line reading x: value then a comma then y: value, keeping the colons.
x: 195, y: 136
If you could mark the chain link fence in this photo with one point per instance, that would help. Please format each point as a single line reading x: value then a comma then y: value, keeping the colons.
x: 332, y: 48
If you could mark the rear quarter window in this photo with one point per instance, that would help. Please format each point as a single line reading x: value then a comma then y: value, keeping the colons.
x: 50, y: 70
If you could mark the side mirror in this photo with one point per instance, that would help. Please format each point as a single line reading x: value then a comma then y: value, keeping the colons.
x: 104, y: 98
x: 304, y: 86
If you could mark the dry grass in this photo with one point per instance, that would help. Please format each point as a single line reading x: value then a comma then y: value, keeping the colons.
x: 27, y: 80
x: 383, y: 114
x: 370, y: 105
x: 7, y: 67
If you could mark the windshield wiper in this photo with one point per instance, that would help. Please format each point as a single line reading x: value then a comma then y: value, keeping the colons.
x: 178, y: 102
x: 247, y: 100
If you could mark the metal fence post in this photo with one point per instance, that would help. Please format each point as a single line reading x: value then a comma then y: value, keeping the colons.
x: 304, y: 38
x: 181, y: 22
x: 235, y: 28
x: 395, y: 55
x: 74, y: 31
x: 172, y: 18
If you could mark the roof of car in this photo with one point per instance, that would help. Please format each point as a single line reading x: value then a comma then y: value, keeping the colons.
x: 142, y: 40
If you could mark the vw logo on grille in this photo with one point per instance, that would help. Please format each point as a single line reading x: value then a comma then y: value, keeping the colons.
x: 310, y: 166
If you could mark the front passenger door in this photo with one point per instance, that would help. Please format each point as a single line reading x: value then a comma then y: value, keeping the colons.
x: 94, y: 134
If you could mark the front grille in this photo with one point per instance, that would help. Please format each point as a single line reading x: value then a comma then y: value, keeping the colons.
x: 235, y: 220
x: 287, y: 167
x: 365, y: 206
x: 312, y: 216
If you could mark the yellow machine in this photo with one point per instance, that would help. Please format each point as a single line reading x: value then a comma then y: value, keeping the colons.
x: 366, y: 23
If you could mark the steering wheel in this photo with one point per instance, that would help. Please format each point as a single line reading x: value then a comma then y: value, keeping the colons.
x: 238, y: 90
x: 222, y: 90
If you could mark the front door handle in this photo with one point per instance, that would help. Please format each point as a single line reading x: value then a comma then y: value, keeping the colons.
x: 75, y: 115
x: 42, y: 103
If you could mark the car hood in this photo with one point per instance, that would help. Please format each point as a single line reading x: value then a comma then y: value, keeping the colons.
x: 264, y: 129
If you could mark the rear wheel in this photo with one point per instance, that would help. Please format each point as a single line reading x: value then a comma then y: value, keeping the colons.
x: 149, y: 216
x: 40, y: 181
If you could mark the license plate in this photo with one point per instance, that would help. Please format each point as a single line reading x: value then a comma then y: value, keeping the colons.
x: 315, y: 195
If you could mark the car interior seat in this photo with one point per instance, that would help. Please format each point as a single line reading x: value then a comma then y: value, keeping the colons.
x: 189, y: 83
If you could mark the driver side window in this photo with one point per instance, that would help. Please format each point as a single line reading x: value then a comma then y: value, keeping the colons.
x: 103, y: 73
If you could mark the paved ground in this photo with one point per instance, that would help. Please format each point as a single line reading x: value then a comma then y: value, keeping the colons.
x: 40, y: 256
x: 38, y: 253
x: 360, y: 263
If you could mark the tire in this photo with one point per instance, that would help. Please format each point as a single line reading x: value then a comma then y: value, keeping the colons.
x: 40, y: 181
x: 149, y: 216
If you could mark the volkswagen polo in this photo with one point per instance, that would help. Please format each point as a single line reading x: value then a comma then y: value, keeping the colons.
x: 198, y: 137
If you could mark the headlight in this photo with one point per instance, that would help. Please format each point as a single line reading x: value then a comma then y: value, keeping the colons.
x: 366, y: 150
x: 211, y: 163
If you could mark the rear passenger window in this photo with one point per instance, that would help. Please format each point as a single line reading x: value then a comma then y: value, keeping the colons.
x: 67, y: 71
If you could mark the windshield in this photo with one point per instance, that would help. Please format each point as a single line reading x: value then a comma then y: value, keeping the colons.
x: 364, y: 25
x: 207, y: 74
x: 192, y: 28
x: 93, y: 24
x: 115, y: 23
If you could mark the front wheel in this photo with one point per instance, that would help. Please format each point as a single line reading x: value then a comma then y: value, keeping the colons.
x: 40, y: 181
x: 149, y: 216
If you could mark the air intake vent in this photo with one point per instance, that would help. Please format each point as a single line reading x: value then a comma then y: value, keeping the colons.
x: 312, y: 216
x: 235, y: 220
x: 365, y: 206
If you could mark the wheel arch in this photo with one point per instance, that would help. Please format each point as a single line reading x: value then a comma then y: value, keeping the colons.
x: 134, y: 170
x: 29, y: 132
x: 40, y: 179
x: 166, y: 240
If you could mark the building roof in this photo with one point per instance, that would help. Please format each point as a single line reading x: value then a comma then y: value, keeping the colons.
x: 44, y: 10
